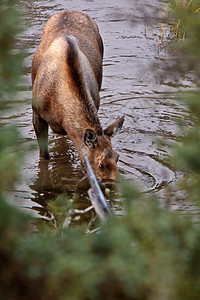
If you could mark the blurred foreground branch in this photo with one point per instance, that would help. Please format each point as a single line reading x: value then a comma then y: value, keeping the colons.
x: 100, y: 204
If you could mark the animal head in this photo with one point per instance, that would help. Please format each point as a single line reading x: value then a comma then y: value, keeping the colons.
x: 102, y: 157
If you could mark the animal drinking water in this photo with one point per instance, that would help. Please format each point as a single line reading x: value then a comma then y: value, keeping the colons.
x: 66, y: 76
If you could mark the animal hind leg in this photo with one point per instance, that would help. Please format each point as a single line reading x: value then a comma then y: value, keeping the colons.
x: 41, y: 130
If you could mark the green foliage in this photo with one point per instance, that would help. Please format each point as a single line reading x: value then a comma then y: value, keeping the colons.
x: 10, y: 68
x: 187, y: 25
x: 149, y: 253
x: 10, y: 58
x: 186, y: 155
x: 9, y: 156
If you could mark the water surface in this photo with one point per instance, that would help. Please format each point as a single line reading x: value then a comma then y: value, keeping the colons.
x: 130, y: 88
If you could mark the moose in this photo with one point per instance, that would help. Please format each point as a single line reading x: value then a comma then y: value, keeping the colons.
x: 66, y: 76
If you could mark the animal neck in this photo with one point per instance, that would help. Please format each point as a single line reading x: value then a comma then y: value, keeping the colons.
x: 77, y: 117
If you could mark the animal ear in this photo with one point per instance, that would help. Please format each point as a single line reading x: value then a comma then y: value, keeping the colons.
x: 90, y: 138
x: 114, y: 128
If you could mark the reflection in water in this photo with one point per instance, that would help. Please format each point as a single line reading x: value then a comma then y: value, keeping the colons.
x: 63, y: 175
x: 130, y: 88
x: 58, y: 176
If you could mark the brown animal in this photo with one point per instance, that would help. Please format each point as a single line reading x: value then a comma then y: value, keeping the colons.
x: 66, y: 76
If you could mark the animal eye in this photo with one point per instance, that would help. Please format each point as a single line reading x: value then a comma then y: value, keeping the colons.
x: 101, y: 166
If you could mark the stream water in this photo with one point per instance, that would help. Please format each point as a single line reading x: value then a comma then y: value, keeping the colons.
x: 131, y: 87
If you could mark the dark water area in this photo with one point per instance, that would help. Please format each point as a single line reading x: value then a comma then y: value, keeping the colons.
x: 131, y: 87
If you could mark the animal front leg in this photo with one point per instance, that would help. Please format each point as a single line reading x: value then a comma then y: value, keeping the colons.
x: 41, y: 130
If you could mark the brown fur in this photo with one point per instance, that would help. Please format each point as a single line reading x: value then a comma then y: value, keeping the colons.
x: 66, y: 75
